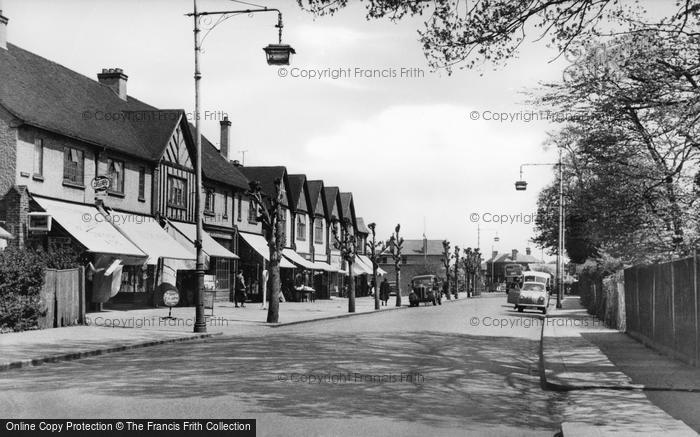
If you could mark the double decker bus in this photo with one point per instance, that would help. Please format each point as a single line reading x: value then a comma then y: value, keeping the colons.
x: 513, y: 275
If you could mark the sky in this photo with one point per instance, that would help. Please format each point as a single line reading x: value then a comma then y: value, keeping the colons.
x: 417, y: 147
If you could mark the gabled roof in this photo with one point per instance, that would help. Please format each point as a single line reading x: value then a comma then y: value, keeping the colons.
x: 50, y: 96
x: 348, y: 207
x: 316, y: 192
x: 296, y: 187
x: 266, y: 176
x: 361, y: 228
x: 415, y: 247
x: 331, y: 201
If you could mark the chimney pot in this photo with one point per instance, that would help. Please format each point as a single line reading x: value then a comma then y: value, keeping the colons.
x: 514, y: 254
x: 236, y: 163
x: 115, y: 79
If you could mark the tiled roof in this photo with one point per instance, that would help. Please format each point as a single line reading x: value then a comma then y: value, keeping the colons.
x: 346, y: 202
x: 315, y: 188
x: 296, y: 185
x: 331, y: 196
x: 50, y: 96
x: 266, y: 176
x: 520, y: 258
x: 415, y: 247
x: 361, y: 228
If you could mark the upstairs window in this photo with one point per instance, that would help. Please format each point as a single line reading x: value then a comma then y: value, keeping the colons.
x: 301, y: 227
x: 142, y: 183
x: 115, y: 173
x: 239, y: 214
x: 209, y: 201
x: 318, y: 231
x: 225, y: 215
x: 73, y: 166
x: 252, y: 213
x: 38, y: 157
x: 177, y: 188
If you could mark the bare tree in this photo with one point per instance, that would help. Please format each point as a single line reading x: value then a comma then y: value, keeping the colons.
x: 346, y: 243
x: 446, y: 262
x: 271, y: 217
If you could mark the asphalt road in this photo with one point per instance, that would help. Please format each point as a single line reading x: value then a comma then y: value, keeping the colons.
x: 460, y: 368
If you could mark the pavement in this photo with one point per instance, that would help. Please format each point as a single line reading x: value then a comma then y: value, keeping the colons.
x: 580, y: 354
x: 112, y: 331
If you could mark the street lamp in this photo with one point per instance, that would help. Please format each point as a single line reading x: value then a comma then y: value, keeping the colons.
x: 275, y: 56
x: 521, y: 185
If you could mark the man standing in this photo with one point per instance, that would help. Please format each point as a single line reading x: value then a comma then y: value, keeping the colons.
x: 240, y: 294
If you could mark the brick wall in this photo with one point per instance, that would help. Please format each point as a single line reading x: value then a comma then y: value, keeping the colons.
x: 16, y: 205
x: 8, y: 151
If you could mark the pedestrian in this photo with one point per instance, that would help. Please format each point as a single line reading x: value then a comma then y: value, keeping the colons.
x: 384, y: 291
x: 240, y: 294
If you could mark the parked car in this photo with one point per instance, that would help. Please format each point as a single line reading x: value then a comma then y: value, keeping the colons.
x: 425, y: 288
x: 531, y: 295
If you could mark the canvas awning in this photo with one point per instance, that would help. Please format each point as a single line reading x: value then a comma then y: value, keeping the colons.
x: 146, y: 233
x: 298, y: 259
x: 368, y: 263
x: 209, y: 245
x: 359, y: 267
x: 259, y: 244
x: 4, y: 235
x: 92, y: 229
x: 320, y: 265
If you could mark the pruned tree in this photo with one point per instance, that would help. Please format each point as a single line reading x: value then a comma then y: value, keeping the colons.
x: 446, y: 262
x: 374, y: 248
x: 456, y: 257
x: 345, y: 242
x: 394, y: 246
x: 271, y: 217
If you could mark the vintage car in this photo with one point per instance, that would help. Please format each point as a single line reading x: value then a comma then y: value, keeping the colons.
x: 531, y: 295
x: 425, y: 288
x: 541, y: 277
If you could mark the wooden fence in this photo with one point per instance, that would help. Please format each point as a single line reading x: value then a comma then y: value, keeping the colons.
x: 662, y: 307
x: 63, y: 297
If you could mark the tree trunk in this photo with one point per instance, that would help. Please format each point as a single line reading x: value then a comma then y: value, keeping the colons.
x: 351, y: 292
x: 398, y: 288
x: 376, y: 286
x: 273, y: 311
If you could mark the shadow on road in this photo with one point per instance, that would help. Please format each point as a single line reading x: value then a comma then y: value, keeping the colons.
x: 447, y: 378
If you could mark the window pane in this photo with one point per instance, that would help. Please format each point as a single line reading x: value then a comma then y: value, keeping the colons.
x: 39, y: 156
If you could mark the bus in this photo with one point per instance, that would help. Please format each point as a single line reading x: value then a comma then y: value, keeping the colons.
x: 513, y: 275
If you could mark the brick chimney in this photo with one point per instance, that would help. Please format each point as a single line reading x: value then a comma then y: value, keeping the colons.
x: 494, y: 254
x: 528, y: 251
x: 3, y: 29
x: 115, y: 79
x: 514, y: 255
x: 225, y: 137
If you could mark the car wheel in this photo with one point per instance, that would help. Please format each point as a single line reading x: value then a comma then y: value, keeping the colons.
x: 520, y: 309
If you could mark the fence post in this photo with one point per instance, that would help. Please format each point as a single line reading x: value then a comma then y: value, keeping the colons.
x: 697, y: 309
x: 653, y: 303
x: 673, y: 309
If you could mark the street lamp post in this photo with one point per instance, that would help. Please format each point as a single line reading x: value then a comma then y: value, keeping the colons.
x: 277, y: 54
x: 521, y: 185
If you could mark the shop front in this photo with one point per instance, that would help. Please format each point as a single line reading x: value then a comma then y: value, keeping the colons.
x: 254, y: 258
